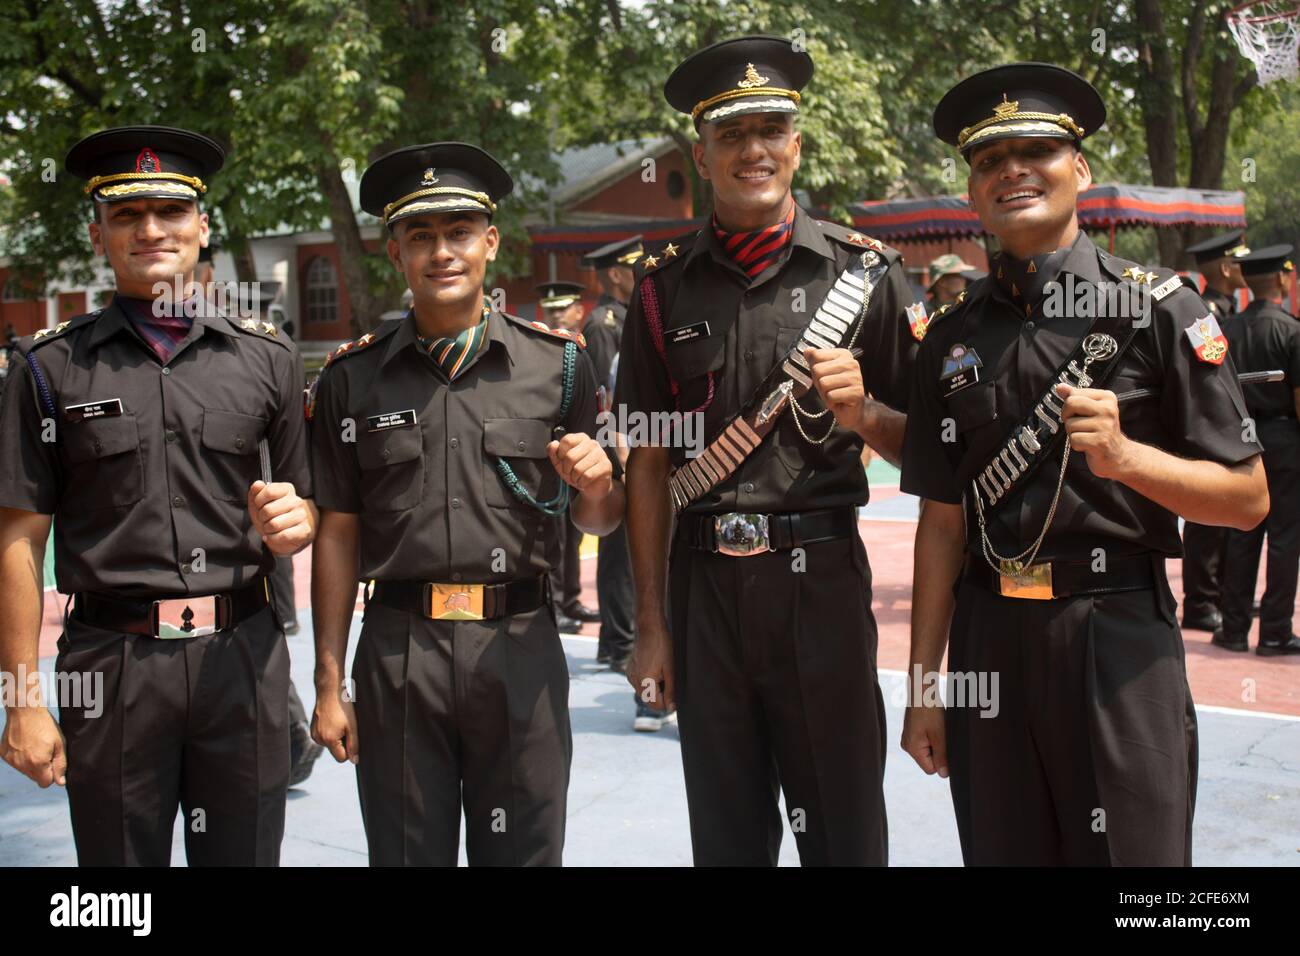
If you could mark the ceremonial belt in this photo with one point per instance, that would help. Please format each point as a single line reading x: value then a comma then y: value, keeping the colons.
x: 739, y: 534
x: 833, y: 322
x: 462, y: 602
x: 171, y: 617
x: 1073, y: 578
x: 1091, y: 365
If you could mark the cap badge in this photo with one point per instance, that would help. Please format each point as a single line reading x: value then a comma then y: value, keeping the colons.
x: 147, y: 162
x: 752, y: 79
x: 429, y: 178
x: 1006, y: 109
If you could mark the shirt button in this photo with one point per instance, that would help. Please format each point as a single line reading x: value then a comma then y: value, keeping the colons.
x: 185, y: 569
x: 456, y: 576
x: 166, y: 370
x: 749, y: 488
x: 385, y: 454
x: 239, y: 443
x: 455, y: 443
x: 99, y: 446
x: 1029, y: 325
x: 178, y: 502
x: 749, y: 355
x: 455, y: 502
x: 521, y: 445
x: 170, y: 434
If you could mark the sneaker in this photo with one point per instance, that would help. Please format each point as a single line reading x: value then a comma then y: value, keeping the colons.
x: 648, y: 720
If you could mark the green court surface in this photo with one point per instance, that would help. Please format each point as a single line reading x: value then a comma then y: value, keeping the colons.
x: 881, y: 472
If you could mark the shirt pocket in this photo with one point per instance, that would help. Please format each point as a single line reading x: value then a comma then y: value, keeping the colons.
x: 105, y: 466
x: 234, y: 463
x: 973, y: 407
x: 521, y: 443
x: 689, y: 364
x: 392, y: 468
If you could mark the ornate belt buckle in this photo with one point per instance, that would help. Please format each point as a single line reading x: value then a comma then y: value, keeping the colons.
x: 454, y: 602
x: 1032, y: 583
x: 180, y: 618
x: 739, y: 534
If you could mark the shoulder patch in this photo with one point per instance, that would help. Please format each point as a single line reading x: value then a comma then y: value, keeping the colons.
x: 44, y: 336
x: 917, y: 320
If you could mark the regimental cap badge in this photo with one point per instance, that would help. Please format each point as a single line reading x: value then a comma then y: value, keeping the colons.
x: 1006, y: 108
x: 428, y: 179
x: 147, y: 162
x: 751, y: 78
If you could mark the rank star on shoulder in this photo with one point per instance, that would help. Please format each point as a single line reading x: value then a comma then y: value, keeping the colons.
x: 249, y: 325
x: 651, y: 262
x: 670, y: 250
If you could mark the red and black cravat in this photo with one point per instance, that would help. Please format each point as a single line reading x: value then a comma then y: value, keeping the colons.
x: 755, y: 251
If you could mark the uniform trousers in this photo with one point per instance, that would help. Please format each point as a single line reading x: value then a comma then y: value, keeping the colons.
x: 615, y: 594
x: 1203, y: 558
x: 453, y: 714
x: 775, y: 667
x: 199, y: 722
x: 566, y: 577
x: 1089, y: 756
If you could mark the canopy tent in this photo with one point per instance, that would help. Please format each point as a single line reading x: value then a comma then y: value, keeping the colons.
x: 1104, y: 207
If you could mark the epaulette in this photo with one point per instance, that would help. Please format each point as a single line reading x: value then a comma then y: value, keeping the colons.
x: 674, y: 250
x: 45, y: 336
x: 343, y: 351
x: 258, y: 329
x: 1169, y: 280
x: 833, y: 230
x: 948, y: 308
x: 536, y: 326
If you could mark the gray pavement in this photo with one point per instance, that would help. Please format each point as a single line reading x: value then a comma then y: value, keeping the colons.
x: 627, y: 804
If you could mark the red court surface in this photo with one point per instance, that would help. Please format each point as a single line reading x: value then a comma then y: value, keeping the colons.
x: 1218, y: 677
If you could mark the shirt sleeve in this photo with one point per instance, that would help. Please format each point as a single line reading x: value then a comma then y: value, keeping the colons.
x: 336, y: 472
x: 287, y: 435
x: 29, y: 463
x: 581, y: 416
x: 643, y: 384
x: 1292, y: 353
x: 930, y: 450
x: 888, y: 346
x: 1201, y: 404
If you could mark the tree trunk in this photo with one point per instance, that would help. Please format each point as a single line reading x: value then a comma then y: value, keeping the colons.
x: 366, y: 307
x: 1159, y: 103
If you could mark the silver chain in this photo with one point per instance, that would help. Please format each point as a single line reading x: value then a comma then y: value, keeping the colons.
x: 798, y: 409
x: 1032, y: 550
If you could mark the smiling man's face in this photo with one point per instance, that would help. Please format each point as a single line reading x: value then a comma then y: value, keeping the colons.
x: 1026, y: 191
x: 444, y: 257
x: 149, y: 241
x: 750, y: 160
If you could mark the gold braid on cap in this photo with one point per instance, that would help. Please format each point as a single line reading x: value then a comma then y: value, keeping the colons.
x: 703, y: 105
x: 97, y: 181
x: 438, y: 191
x: 1009, y: 112
x: 630, y: 258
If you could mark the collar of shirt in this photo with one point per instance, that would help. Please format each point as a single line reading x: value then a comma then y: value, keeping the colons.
x: 805, y: 234
x: 1079, y: 260
x: 408, y: 337
x: 115, y: 318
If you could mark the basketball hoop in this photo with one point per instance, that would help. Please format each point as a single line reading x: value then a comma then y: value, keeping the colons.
x: 1268, y: 34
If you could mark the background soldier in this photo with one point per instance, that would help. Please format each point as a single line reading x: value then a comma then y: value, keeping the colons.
x: 137, y: 429
x: 1262, y: 337
x: 1219, y: 260
x: 771, y: 649
x: 1069, y: 506
x: 444, y: 441
x: 949, y: 276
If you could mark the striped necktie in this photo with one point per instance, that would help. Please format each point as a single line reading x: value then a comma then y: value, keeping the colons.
x: 756, y: 251
x: 454, y: 354
x: 162, y: 333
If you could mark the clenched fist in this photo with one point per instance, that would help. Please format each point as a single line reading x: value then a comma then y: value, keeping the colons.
x: 285, y: 522
x: 583, y: 464
x: 1091, y: 417
x: 838, y: 379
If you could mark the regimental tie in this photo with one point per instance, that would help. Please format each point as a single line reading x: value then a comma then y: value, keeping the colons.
x: 162, y: 333
x: 1025, y: 279
x: 453, y: 355
x: 756, y: 251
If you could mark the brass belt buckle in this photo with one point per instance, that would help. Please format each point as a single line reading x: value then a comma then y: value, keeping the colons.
x: 739, y: 534
x: 1032, y: 583
x: 454, y: 602
x: 180, y: 618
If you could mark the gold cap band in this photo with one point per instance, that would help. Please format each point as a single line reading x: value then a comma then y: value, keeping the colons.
x: 396, y: 205
x: 142, y: 179
x: 702, y: 105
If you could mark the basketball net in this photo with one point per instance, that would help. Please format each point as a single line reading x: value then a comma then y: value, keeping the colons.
x: 1268, y: 34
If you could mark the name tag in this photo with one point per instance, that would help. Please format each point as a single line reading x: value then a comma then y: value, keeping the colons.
x: 107, y: 408
x: 379, y: 423
x: 959, y: 380
x: 688, y: 332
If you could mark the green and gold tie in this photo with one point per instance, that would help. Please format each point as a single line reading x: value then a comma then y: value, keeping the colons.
x: 454, y: 354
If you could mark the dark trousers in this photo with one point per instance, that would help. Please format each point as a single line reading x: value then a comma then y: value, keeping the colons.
x: 1282, y: 526
x: 200, y: 723
x: 1203, y: 548
x: 282, y: 597
x: 566, y: 577
x: 1089, y: 757
x: 614, y: 591
x: 777, y: 691
x: 462, y: 713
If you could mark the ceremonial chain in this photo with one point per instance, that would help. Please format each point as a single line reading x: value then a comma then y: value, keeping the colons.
x: 558, y: 504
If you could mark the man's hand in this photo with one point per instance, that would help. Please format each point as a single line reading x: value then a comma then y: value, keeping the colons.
x: 838, y: 379
x: 33, y: 745
x: 582, y: 463
x: 282, y: 519
x: 1091, y: 417
x: 925, y: 738
x: 650, y: 671
x: 334, y: 726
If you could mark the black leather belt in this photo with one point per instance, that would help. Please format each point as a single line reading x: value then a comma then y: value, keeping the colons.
x: 740, y: 533
x: 1062, y: 579
x: 190, y: 616
x: 462, y: 602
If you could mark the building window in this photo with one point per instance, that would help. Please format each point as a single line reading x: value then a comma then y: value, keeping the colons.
x: 322, y: 291
x: 14, y: 291
x: 676, y: 184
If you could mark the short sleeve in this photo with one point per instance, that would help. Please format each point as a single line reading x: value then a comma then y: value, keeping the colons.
x: 287, y: 436
x: 1201, y: 404
x: 929, y: 463
x: 29, y: 463
x: 888, y: 346
x: 1291, y: 351
x: 581, y: 416
x: 643, y: 384
x: 336, y: 473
